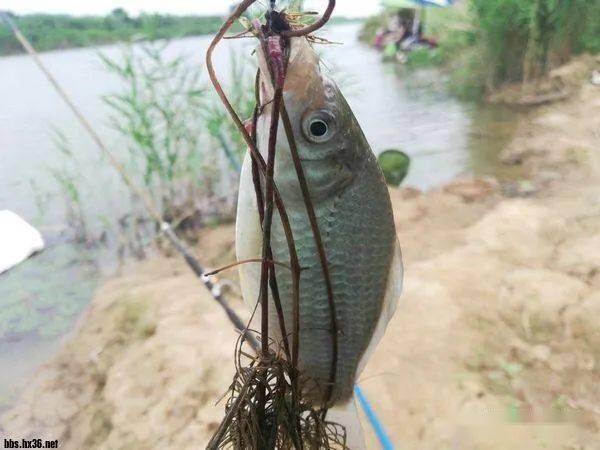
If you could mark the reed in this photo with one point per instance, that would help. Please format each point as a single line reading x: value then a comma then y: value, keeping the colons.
x: 176, y: 142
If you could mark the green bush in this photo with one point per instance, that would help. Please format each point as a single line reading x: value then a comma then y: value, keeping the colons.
x: 523, y: 39
x: 492, y: 42
x: 503, y: 28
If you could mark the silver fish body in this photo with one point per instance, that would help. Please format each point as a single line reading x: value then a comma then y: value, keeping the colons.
x: 355, y: 218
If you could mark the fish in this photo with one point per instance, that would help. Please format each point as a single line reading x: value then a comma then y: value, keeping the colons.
x: 355, y: 217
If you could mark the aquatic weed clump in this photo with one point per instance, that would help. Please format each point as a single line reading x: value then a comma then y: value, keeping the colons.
x: 286, y: 422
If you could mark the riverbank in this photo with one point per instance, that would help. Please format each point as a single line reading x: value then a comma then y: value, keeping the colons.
x: 49, y: 32
x: 60, y: 31
x: 494, y: 344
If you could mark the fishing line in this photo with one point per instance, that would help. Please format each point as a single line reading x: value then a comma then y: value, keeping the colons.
x: 165, y: 227
x: 382, y: 436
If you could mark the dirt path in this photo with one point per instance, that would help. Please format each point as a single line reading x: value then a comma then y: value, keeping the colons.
x: 495, y: 345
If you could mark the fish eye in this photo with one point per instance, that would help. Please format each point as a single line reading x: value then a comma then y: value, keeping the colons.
x: 319, y: 126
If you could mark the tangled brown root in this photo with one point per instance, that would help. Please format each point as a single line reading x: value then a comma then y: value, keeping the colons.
x: 288, y: 421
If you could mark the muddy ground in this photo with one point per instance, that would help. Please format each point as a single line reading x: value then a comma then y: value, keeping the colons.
x: 495, y: 344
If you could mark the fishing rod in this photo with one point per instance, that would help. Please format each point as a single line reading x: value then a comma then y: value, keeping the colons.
x: 148, y: 205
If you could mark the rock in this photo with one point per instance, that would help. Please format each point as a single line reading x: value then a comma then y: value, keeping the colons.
x: 541, y: 295
x: 528, y: 353
x: 575, y: 72
x: 473, y: 189
x: 520, y: 188
x: 583, y: 320
x: 546, y: 176
x: 408, y: 192
x: 580, y: 256
x: 515, y: 156
x: 517, y: 230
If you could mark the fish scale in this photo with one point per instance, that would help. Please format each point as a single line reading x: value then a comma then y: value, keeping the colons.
x: 359, y: 236
x: 356, y: 223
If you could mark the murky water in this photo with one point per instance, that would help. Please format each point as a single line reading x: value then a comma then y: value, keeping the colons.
x: 41, y: 299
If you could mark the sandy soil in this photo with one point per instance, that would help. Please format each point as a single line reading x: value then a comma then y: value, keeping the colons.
x: 495, y: 345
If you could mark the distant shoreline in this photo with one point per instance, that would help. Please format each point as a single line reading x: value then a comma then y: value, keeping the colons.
x: 49, y: 32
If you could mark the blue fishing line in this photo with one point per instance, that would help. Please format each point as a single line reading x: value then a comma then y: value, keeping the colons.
x: 384, y: 440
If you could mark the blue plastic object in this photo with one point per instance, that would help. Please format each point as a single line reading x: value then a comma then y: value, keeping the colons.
x: 386, y: 443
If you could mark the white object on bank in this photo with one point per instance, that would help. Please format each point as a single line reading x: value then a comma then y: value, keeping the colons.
x: 18, y: 240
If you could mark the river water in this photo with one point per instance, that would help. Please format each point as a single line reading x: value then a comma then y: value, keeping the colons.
x: 41, y: 299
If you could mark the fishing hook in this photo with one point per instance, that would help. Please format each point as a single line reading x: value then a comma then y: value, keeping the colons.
x: 312, y: 27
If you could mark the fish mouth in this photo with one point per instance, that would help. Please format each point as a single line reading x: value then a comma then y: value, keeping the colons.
x: 302, y: 68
